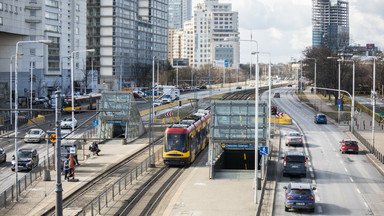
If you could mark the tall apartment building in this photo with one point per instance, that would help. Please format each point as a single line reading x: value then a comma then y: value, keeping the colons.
x: 187, y: 41
x: 62, y: 22
x: 214, y: 23
x: 330, y: 24
x: 174, y: 43
x: 180, y: 11
x: 126, y: 34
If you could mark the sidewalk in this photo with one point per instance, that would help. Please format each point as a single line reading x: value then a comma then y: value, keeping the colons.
x: 41, y: 195
x: 362, y: 131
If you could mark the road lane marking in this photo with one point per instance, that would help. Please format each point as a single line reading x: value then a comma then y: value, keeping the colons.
x: 351, y: 178
x: 358, y: 191
x: 337, y: 155
x: 346, y: 170
x: 366, y: 205
x: 320, y: 209
x: 312, y: 176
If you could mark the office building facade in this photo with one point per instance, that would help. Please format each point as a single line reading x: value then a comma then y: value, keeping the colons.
x: 330, y: 24
x: 180, y: 11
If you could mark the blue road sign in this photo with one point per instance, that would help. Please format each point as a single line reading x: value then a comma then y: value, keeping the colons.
x: 226, y: 63
x: 339, y: 101
x: 263, y: 150
x: 95, y: 122
x: 115, y: 122
x: 339, y: 106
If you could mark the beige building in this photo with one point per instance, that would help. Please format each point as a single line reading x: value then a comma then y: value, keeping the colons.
x: 174, y: 43
x: 187, y: 42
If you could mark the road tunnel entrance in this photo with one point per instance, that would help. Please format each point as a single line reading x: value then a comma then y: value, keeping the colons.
x: 239, y: 160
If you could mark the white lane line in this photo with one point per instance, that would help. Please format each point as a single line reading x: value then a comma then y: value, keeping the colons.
x: 366, y: 205
x: 313, y: 181
x: 346, y: 170
x: 351, y: 178
x: 358, y: 191
x: 309, y: 163
x: 337, y: 155
x: 312, y: 176
x: 310, y: 169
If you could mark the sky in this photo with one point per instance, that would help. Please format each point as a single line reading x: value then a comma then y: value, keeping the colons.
x: 284, y: 27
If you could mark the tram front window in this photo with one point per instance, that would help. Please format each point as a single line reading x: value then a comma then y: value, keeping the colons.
x: 176, y: 142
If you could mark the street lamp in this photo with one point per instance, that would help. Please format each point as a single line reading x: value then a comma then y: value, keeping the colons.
x: 315, y: 78
x: 72, y: 85
x: 47, y: 42
x: 339, y: 71
x: 10, y: 88
x: 353, y: 90
x: 61, y: 71
x: 269, y: 107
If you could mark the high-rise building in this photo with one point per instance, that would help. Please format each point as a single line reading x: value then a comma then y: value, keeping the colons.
x: 216, y: 36
x: 180, y: 11
x: 62, y: 22
x: 126, y: 34
x: 174, y: 43
x: 330, y: 23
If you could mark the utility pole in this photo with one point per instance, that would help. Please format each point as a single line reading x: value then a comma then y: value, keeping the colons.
x: 59, y: 187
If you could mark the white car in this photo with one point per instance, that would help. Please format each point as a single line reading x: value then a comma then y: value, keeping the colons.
x: 67, y: 122
x: 157, y: 103
x: 34, y: 135
x: 293, y: 138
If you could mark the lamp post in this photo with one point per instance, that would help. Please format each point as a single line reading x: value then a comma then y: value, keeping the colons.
x: 72, y: 85
x: 10, y: 88
x: 315, y: 76
x: 373, y: 103
x: 339, y: 84
x: 61, y: 71
x: 269, y: 109
x: 31, y: 64
x: 353, y: 91
x: 47, y: 42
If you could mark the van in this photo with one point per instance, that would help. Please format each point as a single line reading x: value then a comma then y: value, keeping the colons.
x: 295, y: 163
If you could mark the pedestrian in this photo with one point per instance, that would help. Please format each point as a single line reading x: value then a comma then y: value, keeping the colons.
x: 66, y: 169
x: 97, y: 149
x: 71, y: 166
x: 76, y: 160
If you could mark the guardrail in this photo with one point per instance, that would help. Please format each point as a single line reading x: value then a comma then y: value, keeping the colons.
x: 102, y: 201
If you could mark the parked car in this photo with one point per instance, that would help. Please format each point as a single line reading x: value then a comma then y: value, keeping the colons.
x: 27, y: 159
x: 289, y: 85
x: 293, y: 138
x: 299, y: 196
x: 42, y: 99
x: 203, y: 87
x: 139, y: 94
x: 3, y: 155
x: 349, y: 145
x: 276, y: 95
x: 238, y: 87
x: 295, y: 163
x: 34, y: 135
x: 157, y: 103
x: 67, y: 122
x: 320, y: 118
x: 251, y: 85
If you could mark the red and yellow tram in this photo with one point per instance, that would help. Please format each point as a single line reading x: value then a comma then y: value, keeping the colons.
x: 184, y: 140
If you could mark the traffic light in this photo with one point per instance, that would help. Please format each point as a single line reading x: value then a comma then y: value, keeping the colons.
x: 273, y: 110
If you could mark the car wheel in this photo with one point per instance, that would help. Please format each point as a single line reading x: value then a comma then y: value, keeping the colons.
x: 286, y: 209
x: 342, y: 152
x: 312, y: 210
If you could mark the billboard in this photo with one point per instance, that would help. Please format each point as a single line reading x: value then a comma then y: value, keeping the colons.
x: 180, y: 62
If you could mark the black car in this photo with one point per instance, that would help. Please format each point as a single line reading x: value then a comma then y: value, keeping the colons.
x: 299, y: 196
x: 276, y: 95
x: 3, y: 155
x: 295, y: 163
x: 27, y: 159
x: 203, y: 87
x: 289, y: 85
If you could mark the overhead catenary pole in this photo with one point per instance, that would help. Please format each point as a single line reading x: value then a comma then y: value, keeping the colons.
x: 373, y: 95
x: 59, y: 188
x: 10, y: 89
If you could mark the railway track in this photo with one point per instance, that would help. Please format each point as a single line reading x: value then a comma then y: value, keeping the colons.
x: 144, y: 201
x: 84, y: 195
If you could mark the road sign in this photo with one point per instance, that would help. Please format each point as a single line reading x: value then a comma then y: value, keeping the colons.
x: 339, y: 106
x: 263, y: 150
x: 226, y: 63
x: 52, y: 138
x: 72, y: 150
x: 115, y: 122
x: 95, y: 122
x: 238, y: 146
x: 169, y: 114
x: 280, y: 114
x: 339, y: 101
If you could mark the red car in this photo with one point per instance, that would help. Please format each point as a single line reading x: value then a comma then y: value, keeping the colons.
x: 349, y: 145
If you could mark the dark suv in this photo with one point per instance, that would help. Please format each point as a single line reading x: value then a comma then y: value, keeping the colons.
x: 299, y: 196
x: 27, y: 159
x: 295, y: 163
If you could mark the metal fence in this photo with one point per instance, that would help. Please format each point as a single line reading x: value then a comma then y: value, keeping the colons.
x: 9, y: 195
x: 108, y: 196
x: 378, y: 154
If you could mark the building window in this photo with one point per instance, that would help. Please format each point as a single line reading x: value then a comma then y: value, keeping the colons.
x: 1, y: 20
x: 32, y: 13
x: 77, y: 19
x: 32, y: 25
x: 51, y: 28
x: 52, y: 16
x: 77, y: 31
x: 77, y: 7
x: 1, y: 6
x: 32, y: 52
x: 52, y: 3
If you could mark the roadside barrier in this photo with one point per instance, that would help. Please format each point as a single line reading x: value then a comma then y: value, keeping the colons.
x: 38, y: 119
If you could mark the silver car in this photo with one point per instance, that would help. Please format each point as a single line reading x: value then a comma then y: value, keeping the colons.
x: 293, y: 138
x: 3, y: 155
x: 34, y: 135
x: 67, y: 122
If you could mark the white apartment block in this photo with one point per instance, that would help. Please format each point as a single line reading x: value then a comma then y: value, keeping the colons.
x: 187, y: 42
x: 214, y: 24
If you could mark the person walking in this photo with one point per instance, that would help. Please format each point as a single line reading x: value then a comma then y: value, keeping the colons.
x: 97, y: 149
x: 75, y: 155
x: 66, y: 169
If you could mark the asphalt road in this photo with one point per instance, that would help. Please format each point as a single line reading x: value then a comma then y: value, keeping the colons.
x: 347, y: 184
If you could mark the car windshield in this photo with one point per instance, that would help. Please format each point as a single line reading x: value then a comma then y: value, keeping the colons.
x: 25, y: 154
x: 176, y: 142
x: 1, y: 150
x: 300, y: 191
x: 295, y: 158
x: 321, y: 116
x: 352, y: 143
x: 294, y: 134
x: 68, y: 119
x: 34, y: 132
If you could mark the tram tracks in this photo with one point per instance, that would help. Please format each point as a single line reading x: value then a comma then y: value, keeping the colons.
x: 148, y: 196
x: 84, y: 195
